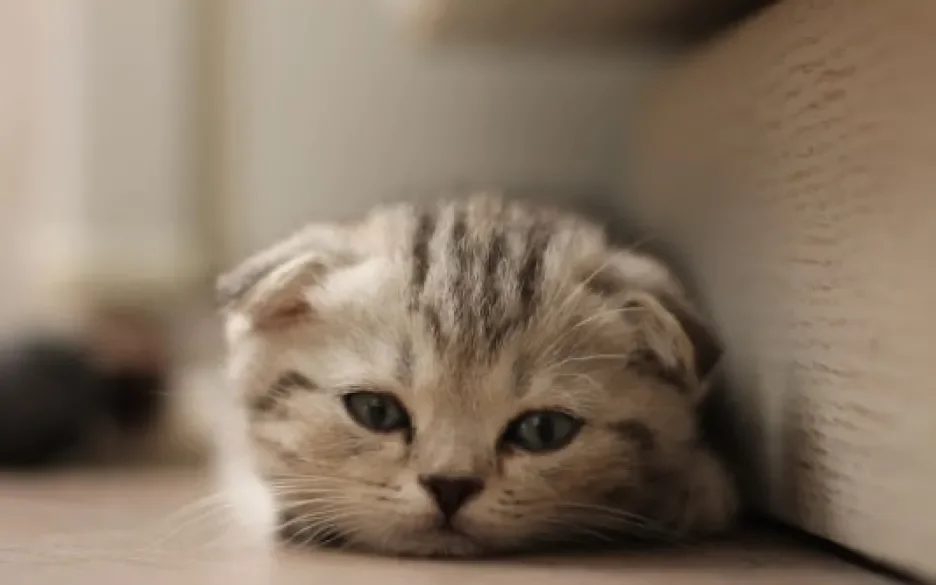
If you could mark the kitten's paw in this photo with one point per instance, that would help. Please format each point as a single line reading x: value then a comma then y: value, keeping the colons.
x: 711, y: 498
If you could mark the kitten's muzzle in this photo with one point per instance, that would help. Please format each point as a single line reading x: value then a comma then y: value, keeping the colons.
x: 451, y: 493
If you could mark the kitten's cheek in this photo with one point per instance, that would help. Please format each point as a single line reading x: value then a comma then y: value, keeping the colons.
x: 712, y: 497
x: 366, y: 452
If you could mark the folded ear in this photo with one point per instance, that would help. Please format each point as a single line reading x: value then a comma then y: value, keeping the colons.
x: 271, y: 289
x: 674, y: 339
x: 626, y: 270
x: 273, y: 296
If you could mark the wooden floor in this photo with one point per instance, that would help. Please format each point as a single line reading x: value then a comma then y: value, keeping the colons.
x: 151, y: 527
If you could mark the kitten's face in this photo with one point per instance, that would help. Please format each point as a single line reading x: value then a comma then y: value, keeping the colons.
x: 400, y: 407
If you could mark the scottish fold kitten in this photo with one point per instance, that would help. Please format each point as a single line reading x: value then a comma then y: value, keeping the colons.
x: 466, y: 377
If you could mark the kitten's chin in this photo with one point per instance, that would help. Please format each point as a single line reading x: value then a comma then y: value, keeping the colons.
x: 434, y: 543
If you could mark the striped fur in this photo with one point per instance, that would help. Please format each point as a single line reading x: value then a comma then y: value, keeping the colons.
x: 477, y: 273
x: 471, y: 312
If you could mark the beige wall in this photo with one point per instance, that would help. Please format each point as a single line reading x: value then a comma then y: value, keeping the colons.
x: 333, y: 108
x: 274, y: 113
x: 104, y: 153
x: 18, y: 130
x: 141, y: 139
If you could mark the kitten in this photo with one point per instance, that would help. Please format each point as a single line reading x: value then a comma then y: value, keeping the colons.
x: 466, y: 377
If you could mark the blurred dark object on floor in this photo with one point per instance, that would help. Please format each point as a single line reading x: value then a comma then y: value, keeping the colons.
x: 50, y: 397
x: 58, y: 393
x: 130, y: 350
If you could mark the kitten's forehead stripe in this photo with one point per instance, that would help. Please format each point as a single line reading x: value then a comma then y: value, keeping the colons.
x: 461, y: 270
x: 496, y: 256
x: 434, y: 324
x: 491, y: 305
x: 531, y: 271
x: 481, y: 282
x: 405, y: 363
x: 425, y: 229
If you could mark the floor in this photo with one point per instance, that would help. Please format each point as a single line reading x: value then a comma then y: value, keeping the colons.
x: 149, y: 527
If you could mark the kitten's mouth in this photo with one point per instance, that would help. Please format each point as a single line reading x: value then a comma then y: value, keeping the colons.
x: 448, y: 532
x: 449, y: 529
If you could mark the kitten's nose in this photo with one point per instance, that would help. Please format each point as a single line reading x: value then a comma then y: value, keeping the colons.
x: 451, y: 493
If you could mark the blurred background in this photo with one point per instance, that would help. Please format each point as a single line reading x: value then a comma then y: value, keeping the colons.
x: 149, y: 144
x: 155, y: 141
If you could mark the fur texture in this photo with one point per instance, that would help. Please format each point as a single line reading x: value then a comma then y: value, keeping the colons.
x: 469, y: 315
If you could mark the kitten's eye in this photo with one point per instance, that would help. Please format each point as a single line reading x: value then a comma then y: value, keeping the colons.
x: 543, y: 430
x: 376, y: 411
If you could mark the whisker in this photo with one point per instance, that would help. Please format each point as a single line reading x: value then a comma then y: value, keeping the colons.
x: 549, y: 351
x: 200, y: 511
x: 588, y: 358
x: 318, y: 522
x: 589, y: 379
x: 581, y: 287
x: 616, y: 519
x: 567, y: 527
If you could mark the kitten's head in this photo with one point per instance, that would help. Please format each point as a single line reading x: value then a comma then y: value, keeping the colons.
x: 471, y: 377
